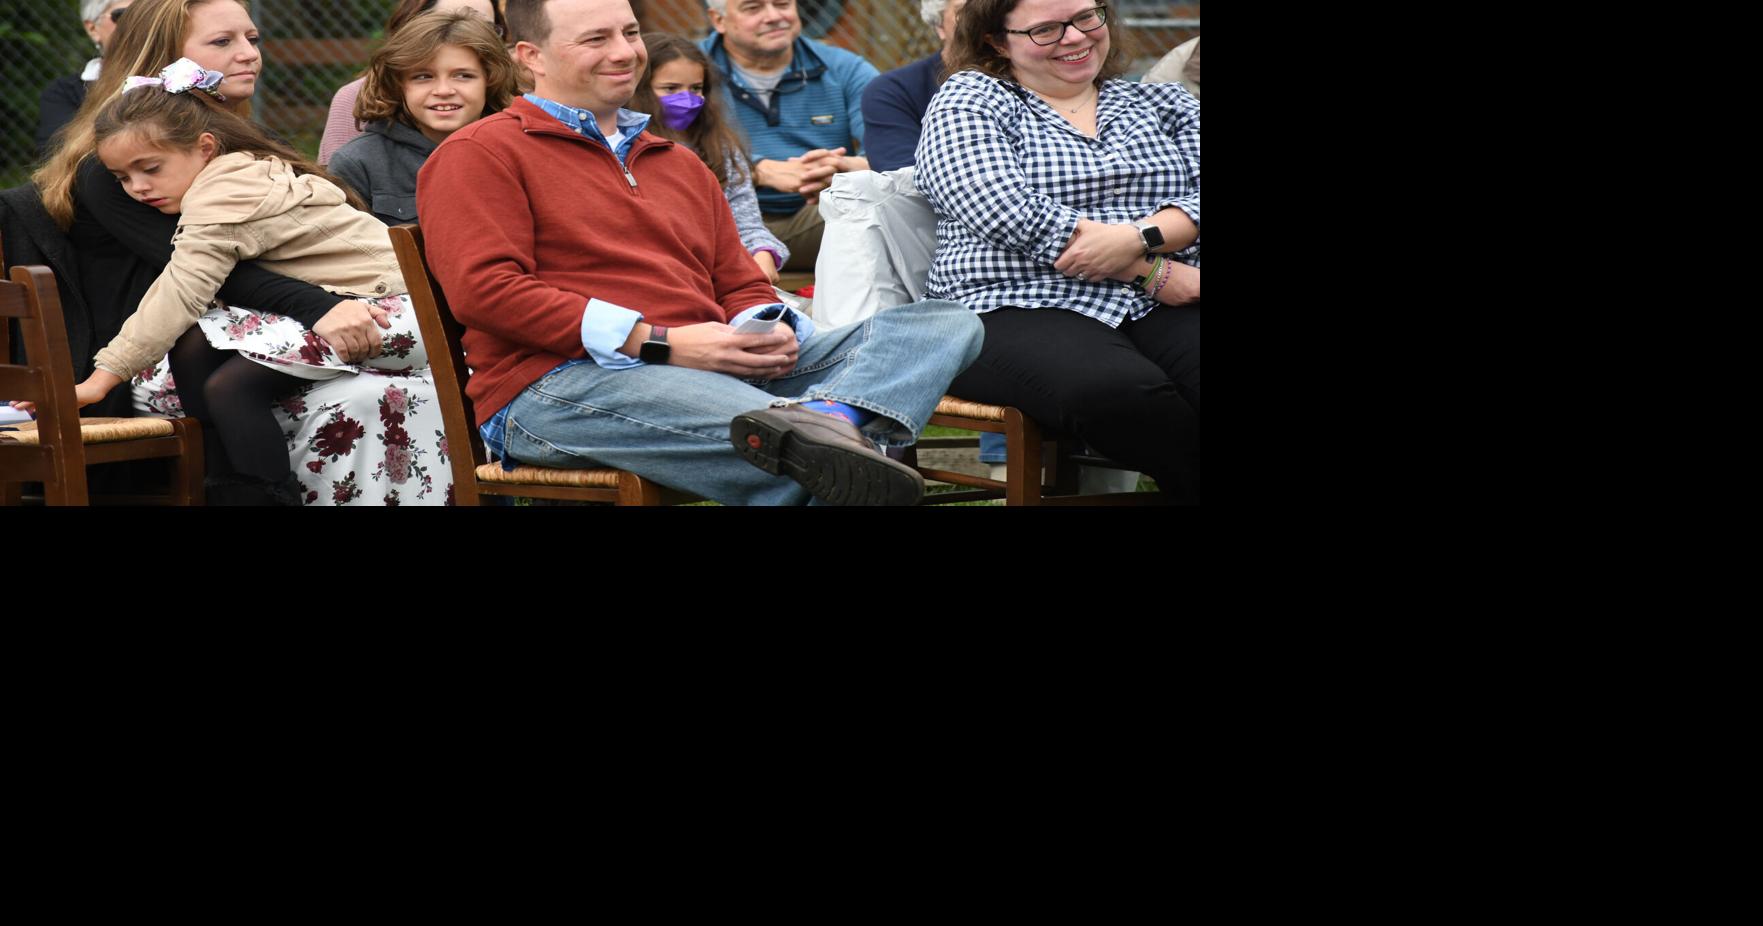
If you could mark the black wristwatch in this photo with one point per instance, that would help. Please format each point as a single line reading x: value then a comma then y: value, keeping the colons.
x: 655, y: 350
x: 1150, y: 235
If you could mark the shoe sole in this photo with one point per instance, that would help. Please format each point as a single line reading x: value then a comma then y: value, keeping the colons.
x: 834, y: 474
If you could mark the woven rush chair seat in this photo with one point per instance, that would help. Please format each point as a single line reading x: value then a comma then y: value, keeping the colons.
x: 961, y: 408
x: 540, y: 476
x: 98, y: 430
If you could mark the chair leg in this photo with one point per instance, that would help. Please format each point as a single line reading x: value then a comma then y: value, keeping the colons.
x: 68, y: 485
x: 11, y: 494
x: 634, y: 490
x: 190, y: 467
x: 1022, y: 471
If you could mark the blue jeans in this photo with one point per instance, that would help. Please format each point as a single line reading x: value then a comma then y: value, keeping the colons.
x: 991, y: 447
x: 669, y: 424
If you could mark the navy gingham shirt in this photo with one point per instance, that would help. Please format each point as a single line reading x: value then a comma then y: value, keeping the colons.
x: 1009, y: 178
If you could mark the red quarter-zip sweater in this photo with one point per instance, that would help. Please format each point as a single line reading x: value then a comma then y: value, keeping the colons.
x: 524, y: 221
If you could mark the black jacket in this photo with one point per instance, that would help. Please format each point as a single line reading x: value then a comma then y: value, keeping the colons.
x: 32, y: 237
x: 60, y: 100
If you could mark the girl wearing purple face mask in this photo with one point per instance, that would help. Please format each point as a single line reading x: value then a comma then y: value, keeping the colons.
x: 680, y: 91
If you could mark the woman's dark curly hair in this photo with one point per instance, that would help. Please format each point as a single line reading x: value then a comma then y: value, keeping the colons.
x: 979, y: 31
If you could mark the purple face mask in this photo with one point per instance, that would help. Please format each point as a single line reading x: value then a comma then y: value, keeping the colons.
x: 680, y: 110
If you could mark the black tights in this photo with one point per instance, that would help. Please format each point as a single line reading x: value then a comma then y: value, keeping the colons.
x: 232, y: 397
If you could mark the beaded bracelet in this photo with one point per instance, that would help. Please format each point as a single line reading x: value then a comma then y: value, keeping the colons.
x: 1144, y: 282
x: 1167, y: 270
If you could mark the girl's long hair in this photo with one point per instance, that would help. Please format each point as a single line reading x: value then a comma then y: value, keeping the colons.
x: 176, y: 121
x: 150, y: 37
x: 382, y: 90
x: 710, y: 135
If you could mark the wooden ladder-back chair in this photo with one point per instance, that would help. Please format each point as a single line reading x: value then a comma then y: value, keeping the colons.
x: 56, y: 448
x: 1027, y: 450
x: 473, y: 473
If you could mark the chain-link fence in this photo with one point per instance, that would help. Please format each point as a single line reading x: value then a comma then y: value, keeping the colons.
x: 312, y: 47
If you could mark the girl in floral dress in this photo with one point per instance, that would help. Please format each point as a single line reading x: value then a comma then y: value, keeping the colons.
x: 242, y: 196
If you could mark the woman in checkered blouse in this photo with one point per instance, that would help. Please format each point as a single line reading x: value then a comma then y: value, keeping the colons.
x: 1069, y: 214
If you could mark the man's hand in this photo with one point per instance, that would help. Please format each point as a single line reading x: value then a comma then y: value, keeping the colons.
x: 1098, y: 252
x: 821, y: 158
x: 716, y: 347
x: 350, y: 329
x: 841, y: 162
x: 792, y: 176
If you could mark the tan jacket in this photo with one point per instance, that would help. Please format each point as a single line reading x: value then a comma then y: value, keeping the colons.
x: 241, y: 208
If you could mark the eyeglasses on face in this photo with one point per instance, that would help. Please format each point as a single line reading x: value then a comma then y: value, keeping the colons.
x: 1049, y: 33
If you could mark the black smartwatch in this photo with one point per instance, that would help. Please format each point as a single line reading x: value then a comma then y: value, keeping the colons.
x: 655, y: 350
x: 1150, y: 235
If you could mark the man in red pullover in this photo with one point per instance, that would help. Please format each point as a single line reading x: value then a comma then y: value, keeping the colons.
x: 602, y: 285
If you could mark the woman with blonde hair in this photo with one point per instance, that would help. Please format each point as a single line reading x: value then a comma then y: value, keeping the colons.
x: 123, y: 245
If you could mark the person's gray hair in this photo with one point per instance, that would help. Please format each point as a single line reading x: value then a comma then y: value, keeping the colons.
x: 720, y: 6
x: 931, y: 11
x: 90, y: 10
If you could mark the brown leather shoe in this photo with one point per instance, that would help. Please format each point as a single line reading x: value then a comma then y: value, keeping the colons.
x: 826, y: 454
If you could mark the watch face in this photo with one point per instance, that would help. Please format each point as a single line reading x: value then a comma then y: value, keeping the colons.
x: 653, y: 352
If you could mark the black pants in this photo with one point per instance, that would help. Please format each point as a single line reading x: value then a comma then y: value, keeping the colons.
x: 1132, y: 393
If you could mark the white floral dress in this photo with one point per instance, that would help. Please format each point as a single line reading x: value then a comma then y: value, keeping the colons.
x: 359, y: 434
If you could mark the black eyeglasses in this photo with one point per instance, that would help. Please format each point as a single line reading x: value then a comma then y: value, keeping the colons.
x: 1049, y: 33
x: 116, y: 14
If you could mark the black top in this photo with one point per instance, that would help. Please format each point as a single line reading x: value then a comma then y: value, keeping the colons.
x: 60, y: 100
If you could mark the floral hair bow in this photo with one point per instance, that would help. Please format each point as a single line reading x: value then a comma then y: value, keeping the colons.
x: 178, y: 76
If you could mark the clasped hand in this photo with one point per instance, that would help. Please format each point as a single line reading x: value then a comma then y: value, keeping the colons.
x: 808, y: 173
x: 1098, y: 252
x: 350, y: 329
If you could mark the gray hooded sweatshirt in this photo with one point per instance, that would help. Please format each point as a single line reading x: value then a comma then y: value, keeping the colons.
x: 381, y: 165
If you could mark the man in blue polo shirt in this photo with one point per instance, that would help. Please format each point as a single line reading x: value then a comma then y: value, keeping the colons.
x: 800, y: 103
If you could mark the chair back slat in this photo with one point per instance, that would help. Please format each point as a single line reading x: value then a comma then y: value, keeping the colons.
x: 22, y: 383
x: 6, y: 295
x: 13, y: 304
x: 48, y: 381
x: 451, y: 374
